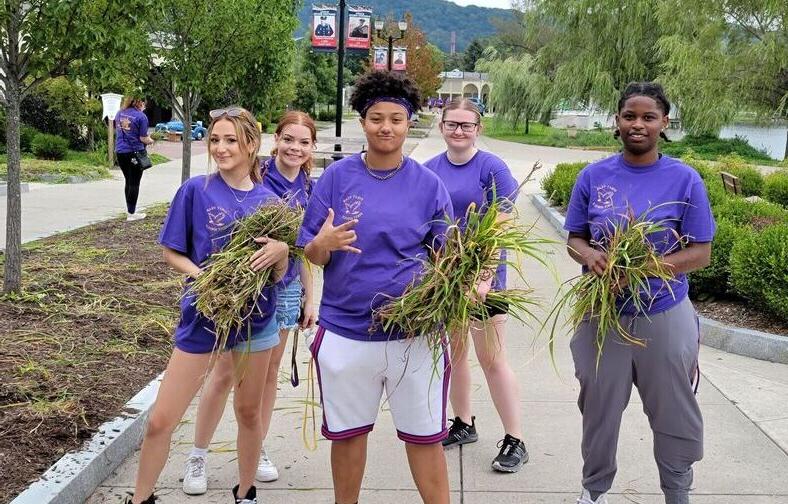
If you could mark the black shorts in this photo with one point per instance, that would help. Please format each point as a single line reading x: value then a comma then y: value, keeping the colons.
x: 493, y: 310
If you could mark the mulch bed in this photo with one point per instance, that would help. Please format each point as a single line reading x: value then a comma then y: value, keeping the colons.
x: 90, y: 329
x: 741, y: 314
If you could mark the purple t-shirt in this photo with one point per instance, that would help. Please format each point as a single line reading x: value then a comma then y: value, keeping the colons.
x: 606, y: 189
x: 297, y: 193
x: 398, y: 219
x: 130, y: 125
x: 198, y: 224
x: 473, y: 182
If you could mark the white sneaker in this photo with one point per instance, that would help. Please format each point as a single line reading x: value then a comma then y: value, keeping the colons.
x: 195, y: 482
x: 266, y: 470
x: 585, y: 498
x: 135, y: 216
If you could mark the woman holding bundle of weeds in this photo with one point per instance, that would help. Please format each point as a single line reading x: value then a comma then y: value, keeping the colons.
x: 198, y: 224
x: 371, y: 221
x: 664, y: 367
x: 286, y: 174
x: 476, y: 177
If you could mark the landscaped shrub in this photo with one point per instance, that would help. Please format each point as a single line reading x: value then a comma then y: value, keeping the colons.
x: 26, y: 136
x: 711, y: 147
x: 558, y: 185
x: 711, y: 179
x: 326, y: 115
x: 758, y: 268
x: 757, y: 214
x: 46, y: 146
x: 750, y: 179
x: 714, y: 279
x: 775, y: 188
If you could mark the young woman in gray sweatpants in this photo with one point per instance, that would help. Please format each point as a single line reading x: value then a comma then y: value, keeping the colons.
x: 665, y: 371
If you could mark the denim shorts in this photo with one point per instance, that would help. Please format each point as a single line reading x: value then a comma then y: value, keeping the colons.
x: 288, y: 305
x: 262, y: 340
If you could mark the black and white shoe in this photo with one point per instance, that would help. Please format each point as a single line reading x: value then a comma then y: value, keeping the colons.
x: 512, y: 455
x: 461, y: 433
x: 249, y: 498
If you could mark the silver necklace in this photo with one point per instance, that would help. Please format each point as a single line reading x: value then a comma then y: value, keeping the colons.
x: 384, y: 177
x: 239, y: 201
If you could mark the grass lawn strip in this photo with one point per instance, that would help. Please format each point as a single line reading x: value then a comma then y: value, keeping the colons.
x: 90, y: 329
x: 83, y: 165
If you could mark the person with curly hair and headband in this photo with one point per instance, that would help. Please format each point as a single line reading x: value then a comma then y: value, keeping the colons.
x: 370, y: 219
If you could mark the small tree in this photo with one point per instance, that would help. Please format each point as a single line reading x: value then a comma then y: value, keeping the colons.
x: 472, y: 53
x: 45, y: 39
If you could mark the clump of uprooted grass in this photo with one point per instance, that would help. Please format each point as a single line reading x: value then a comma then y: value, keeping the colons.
x: 442, y: 300
x: 600, y: 299
x: 227, y: 289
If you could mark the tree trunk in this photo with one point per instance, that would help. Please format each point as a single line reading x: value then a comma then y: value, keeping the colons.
x: 785, y: 154
x: 527, y: 125
x: 545, y: 118
x: 186, y: 138
x: 13, y: 238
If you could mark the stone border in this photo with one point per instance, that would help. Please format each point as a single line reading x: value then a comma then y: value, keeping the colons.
x: 735, y: 340
x: 23, y: 188
x: 74, y: 478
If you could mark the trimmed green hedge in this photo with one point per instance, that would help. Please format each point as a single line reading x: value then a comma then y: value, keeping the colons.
x: 558, y: 185
x: 715, y: 278
x: 776, y: 188
x: 750, y: 179
x: 46, y: 146
x: 758, y: 268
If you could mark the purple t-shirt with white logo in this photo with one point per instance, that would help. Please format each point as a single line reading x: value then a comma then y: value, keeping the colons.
x: 606, y: 189
x: 130, y: 125
x: 296, y: 193
x: 473, y: 182
x: 198, y: 224
x: 398, y: 219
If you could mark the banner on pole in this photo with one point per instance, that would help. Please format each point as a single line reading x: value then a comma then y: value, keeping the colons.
x: 399, y: 62
x: 381, y: 58
x: 324, y: 27
x: 359, y: 29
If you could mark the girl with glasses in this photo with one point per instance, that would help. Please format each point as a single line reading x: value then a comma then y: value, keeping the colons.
x: 371, y: 218
x: 475, y: 176
x: 286, y: 174
x: 198, y: 224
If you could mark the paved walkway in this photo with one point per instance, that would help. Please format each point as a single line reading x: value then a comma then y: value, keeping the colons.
x: 744, y: 401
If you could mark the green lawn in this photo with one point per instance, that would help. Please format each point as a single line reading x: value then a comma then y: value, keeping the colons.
x: 77, y: 166
x: 701, y: 147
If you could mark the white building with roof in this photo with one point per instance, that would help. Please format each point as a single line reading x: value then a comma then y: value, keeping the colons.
x: 458, y: 84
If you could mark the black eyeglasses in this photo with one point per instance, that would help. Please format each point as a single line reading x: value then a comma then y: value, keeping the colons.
x: 230, y: 112
x: 467, y: 127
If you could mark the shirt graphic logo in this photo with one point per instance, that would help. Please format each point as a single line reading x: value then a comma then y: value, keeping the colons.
x: 604, y: 197
x: 217, y: 218
x: 352, y: 207
x: 125, y: 123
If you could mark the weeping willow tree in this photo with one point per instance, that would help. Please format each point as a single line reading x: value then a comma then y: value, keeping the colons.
x: 725, y: 57
x: 518, y: 90
x: 595, y: 48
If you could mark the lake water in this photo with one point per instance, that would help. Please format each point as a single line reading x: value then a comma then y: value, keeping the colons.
x: 771, y: 139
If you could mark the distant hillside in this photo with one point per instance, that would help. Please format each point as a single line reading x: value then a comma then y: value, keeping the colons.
x: 437, y: 18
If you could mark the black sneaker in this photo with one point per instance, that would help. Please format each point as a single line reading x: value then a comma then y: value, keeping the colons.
x: 512, y: 455
x: 461, y: 433
x: 149, y: 500
x: 249, y: 498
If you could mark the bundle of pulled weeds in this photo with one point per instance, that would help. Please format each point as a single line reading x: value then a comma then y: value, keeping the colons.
x: 226, y: 290
x: 601, y: 299
x: 442, y: 300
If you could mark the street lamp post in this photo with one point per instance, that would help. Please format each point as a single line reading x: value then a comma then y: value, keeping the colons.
x: 381, y: 30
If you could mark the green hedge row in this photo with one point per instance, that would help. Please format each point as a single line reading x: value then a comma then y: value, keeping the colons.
x: 749, y: 258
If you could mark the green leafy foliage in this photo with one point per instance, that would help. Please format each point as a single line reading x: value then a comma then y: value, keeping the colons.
x: 758, y: 269
x: 750, y: 179
x: 711, y: 147
x: 46, y: 146
x: 558, y: 185
x: 757, y: 214
x: 715, y: 278
x: 26, y: 135
x: 776, y: 188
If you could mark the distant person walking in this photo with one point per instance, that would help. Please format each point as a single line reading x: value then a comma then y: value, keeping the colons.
x: 131, y: 125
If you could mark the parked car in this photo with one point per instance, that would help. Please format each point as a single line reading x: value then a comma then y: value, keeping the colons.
x: 198, y: 130
x: 478, y: 102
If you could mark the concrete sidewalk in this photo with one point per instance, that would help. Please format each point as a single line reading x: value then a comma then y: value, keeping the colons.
x: 744, y: 402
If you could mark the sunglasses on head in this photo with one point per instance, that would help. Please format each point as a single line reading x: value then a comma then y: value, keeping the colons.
x: 229, y: 112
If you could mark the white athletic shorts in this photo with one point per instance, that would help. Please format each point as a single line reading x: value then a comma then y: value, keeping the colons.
x: 353, y: 376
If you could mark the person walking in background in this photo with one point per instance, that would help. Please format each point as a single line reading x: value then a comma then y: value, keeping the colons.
x: 131, y: 126
x: 476, y: 177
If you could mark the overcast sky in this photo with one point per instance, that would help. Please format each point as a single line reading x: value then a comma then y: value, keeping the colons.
x: 503, y: 4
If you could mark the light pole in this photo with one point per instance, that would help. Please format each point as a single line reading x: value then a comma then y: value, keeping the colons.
x: 382, y: 32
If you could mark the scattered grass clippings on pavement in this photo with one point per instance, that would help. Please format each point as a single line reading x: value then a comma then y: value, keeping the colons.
x: 90, y: 328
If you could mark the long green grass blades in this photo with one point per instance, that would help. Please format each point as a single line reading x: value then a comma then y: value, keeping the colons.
x: 226, y: 290
x: 441, y: 300
x: 632, y: 261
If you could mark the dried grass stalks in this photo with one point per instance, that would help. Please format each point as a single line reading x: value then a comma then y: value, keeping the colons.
x: 226, y: 290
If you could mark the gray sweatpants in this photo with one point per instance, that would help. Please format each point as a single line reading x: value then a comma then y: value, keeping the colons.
x: 663, y: 372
